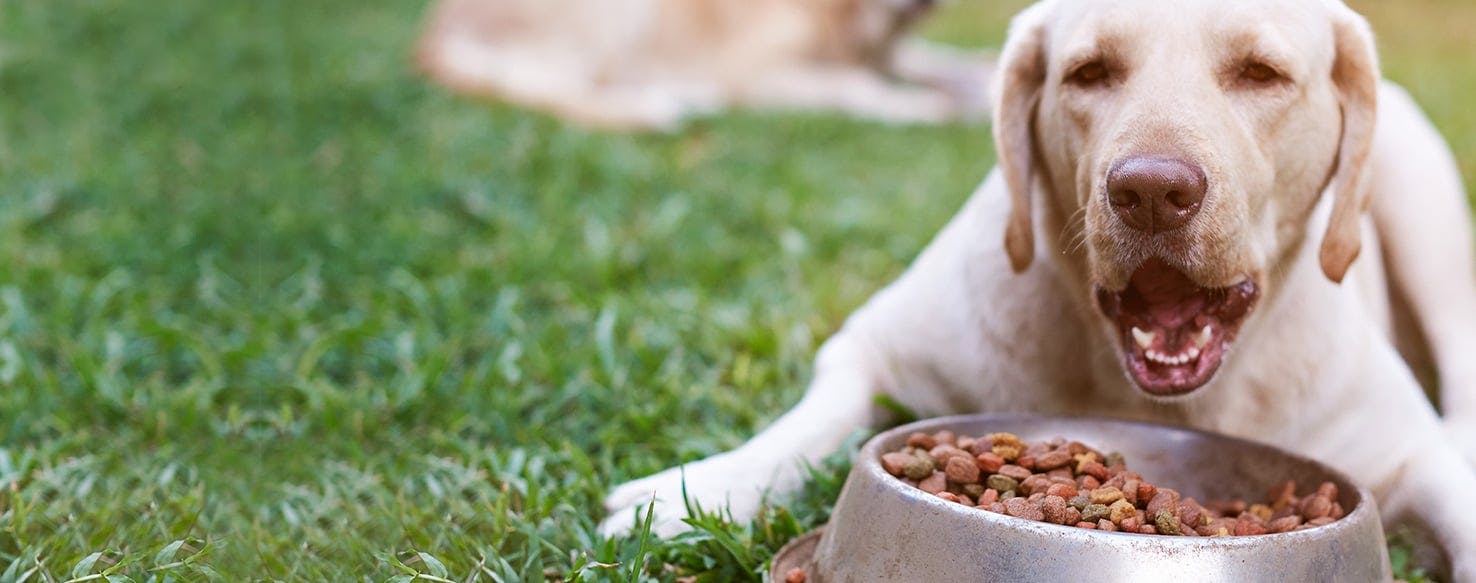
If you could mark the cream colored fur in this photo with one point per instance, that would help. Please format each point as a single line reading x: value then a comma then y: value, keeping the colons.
x: 650, y: 64
x: 985, y: 322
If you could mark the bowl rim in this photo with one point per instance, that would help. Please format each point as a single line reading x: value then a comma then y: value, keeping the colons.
x: 870, y: 463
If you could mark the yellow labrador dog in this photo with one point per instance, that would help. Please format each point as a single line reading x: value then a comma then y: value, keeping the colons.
x: 1176, y: 233
x: 648, y: 64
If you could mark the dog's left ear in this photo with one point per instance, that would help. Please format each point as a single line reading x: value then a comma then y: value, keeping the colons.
x: 1356, y: 78
x: 1021, y: 76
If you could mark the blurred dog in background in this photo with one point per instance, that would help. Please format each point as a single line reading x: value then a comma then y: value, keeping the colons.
x: 650, y: 64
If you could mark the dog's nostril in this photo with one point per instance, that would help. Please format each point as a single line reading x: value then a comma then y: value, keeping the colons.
x: 1127, y: 199
x: 1181, y: 200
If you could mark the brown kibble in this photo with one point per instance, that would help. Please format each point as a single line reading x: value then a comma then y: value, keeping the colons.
x: 1165, y: 500
x: 962, y: 470
x: 1065, y: 491
x: 1068, y: 483
x: 1314, y: 507
x: 895, y: 462
x: 989, y: 463
x: 1052, y: 460
x: 1036, y: 483
x: 1054, y: 508
x: 1106, y: 495
x: 1002, y: 483
x: 1146, y: 491
x: 1284, y: 524
x: 795, y: 575
x: 1014, y: 471
x: 1245, y: 527
x: 1191, y: 513
x: 1282, y: 494
x: 1021, y: 508
x: 934, y: 484
x: 1130, y: 492
x: 945, y: 452
x: 922, y: 441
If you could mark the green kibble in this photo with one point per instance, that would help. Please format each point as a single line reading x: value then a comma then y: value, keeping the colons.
x: 1115, y: 459
x: 1095, y: 512
x: 1166, y: 523
x: 1079, y: 502
x: 919, y: 468
x: 1002, y: 483
x: 974, y: 490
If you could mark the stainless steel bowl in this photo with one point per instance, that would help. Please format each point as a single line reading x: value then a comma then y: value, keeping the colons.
x: 884, y: 530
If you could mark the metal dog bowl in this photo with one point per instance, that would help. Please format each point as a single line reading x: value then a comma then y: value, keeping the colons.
x: 884, y: 530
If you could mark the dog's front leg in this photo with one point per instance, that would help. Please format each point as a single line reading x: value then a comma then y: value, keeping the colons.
x: 837, y: 403
x: 1430, y: 494
x: 1377, y: 427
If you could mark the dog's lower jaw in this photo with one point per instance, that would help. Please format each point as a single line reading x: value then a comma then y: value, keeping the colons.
x: 1173, y: 334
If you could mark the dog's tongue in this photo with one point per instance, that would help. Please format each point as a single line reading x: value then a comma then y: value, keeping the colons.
x: 1168, y: 297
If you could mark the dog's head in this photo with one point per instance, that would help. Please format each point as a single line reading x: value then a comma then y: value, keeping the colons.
x: 1181, y: 148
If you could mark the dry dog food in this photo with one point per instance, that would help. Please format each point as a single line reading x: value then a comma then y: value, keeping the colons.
x: 1069, y: 483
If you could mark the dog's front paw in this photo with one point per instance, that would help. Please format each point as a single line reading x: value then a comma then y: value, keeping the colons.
x: 714, y: 484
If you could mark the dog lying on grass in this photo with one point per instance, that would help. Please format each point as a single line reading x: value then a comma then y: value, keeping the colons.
x: 649, y: 64
x: 1176, y: 233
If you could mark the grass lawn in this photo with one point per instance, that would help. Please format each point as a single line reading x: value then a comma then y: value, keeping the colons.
x: 274, y: 308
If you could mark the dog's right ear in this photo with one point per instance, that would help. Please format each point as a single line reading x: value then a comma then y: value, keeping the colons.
x: 1021, y: 76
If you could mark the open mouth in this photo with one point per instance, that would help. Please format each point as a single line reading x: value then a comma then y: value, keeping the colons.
x: 1174, y: 332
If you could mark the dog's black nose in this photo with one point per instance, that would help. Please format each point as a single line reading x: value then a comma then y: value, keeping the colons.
x: 1155, y: 195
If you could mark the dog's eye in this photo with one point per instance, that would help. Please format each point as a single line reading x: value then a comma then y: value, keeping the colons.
x: 1260, y: 74
x: 1089, y: 74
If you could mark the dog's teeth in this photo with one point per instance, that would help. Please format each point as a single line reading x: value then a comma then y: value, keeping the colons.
x: 1145, y: 339
x: 1193, y: 353
x: 1202, y: 339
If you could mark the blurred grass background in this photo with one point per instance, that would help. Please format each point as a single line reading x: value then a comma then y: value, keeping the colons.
x: 269, y: 296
